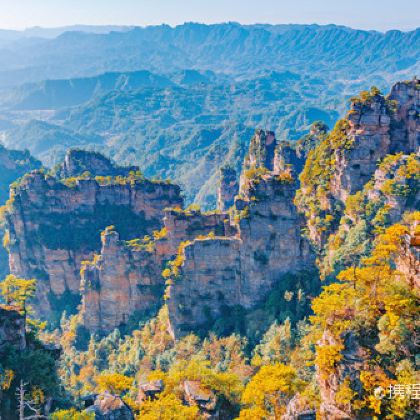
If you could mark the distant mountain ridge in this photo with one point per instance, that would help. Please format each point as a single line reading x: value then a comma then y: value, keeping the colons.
x: 182, y: 101
x: 228, y: 47
x: 54, y: 94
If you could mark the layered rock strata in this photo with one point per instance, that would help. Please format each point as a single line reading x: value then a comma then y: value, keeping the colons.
x: 125, y: 278
x: 378, y: 126
x: 76, y: 162
x: 52, y: 227
x: 220, y: 272
x: 347, y: 158
x: 228, y: 188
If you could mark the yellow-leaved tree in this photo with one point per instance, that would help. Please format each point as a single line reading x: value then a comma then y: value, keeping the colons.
x: 268, y: 392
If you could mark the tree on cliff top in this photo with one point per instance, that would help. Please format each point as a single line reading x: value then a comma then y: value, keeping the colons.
x: 16, y: 292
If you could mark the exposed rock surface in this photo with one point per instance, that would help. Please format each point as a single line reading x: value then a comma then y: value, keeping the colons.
x: 110, y: 407
x: 76, y: 162
x: 111, y: 291
x: 220, y: 272
x: 13, y: 165
x: 149, y: 390
x: 125, y: 278
x: 261, y: 153
x: 347, y: 158
x: 408, y: 261
x: 287, y: 157
x: 226, y: 261
x: 377, y: 127
x: 12, y: 329
x: 53, y: 227
x: 196, y: 394
x: 350, y: 366
x: 393, y: 191
x: 228, y: 189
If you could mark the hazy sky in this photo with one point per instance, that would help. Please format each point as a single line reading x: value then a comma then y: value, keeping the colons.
x: 366, y: 14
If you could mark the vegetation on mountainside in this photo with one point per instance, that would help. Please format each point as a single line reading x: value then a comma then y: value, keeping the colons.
x: 371, y: 302
x: 32, y: 370
x: 299, y: 350
x: 375, y: 303
x: 314, y: 198
x: 13, y: 165
x: 369, y: 211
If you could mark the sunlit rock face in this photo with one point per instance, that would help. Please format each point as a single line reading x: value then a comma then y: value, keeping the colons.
x: 221, y: 272
x: 125, y: 278
x: 53, y: 226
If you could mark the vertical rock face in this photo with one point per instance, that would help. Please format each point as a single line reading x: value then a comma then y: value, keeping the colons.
x: 211, y: 278
x: 353, y: 360
x: 377, y: 126
x: 125, y: 278
x: 220, y: 260
x: 52, y: 227
x: 347, y: 158
x: 228, y: 189
x: 13, y: 165
x: 185, y: 225
x: 408, y: 261
x: 405, y: 128
x: 271, y: 234
x: 286, y: 157
x: 120, y: 282
x: 76, y: 162
x: 369, y: 141
x: 12, y: 329
x: 261, y: 154
x: 221, y: 272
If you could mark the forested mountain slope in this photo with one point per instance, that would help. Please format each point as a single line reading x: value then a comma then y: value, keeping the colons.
x: 182, y: 101
x: 156, y: 308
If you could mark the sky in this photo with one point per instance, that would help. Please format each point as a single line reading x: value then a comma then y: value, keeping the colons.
x: 364, y: 14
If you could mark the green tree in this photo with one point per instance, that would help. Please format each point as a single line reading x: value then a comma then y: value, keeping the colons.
x: 17, y: 292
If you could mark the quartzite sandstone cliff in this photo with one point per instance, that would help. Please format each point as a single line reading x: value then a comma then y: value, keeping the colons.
x: 52, y: 226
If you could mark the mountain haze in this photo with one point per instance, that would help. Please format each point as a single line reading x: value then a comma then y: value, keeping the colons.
x: 182, y: 101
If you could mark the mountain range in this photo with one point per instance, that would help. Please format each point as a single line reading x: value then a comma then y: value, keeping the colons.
x: 182, y: 101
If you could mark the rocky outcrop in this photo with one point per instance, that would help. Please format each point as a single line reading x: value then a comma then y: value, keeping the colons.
x: 217, y: 273
x: 12, y: 329
x: 125, y: 278
x: 296, y: 410
x: 405, y: 133
x: 347, y: 158
x: 53, y: 226
x: 110, y: 407
x: 120, y: 282
x: 13, y: 165
x: 289, y: 158
x: 261, y: 154
x: 195, y: 394
x: 378, y: 126
x: 393, y: 191
x: 149, y: 391
x: 210, y: 280
x: 408, y: 261
x: 76, y: 162
x: 185, y: 225
x: 220, y: 260
x: 351, y: 364
x: 228, y: 189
